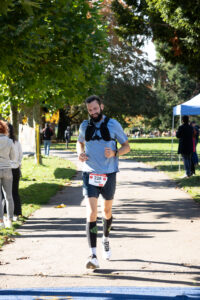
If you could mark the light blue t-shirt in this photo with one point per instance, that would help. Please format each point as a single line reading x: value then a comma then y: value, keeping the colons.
x: 97, y: 162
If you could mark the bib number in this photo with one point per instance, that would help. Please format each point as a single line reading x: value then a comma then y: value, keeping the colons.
x: 97, y: 179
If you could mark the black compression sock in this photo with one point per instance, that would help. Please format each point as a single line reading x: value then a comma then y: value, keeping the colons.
x: 91, y: 231
x: 107, y: 226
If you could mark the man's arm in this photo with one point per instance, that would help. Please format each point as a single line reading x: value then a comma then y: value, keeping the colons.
x: 125, y: 148
x: 80, y: 148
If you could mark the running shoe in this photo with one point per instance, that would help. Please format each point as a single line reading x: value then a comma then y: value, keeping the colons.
x: 92, y: 262
x: 8, y: 223
x: 106, y: 250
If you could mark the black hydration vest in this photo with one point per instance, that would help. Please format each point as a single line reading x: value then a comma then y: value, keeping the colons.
x: 91, y: 129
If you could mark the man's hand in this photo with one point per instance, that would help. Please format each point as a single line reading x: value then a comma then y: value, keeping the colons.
x: 82, y: 157
x: 109, y: 152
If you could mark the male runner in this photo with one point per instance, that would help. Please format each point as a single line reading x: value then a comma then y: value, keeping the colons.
x: 97, y: 149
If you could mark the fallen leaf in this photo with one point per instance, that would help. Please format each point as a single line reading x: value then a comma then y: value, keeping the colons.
x: 41, y: 274
x: 60, y: 206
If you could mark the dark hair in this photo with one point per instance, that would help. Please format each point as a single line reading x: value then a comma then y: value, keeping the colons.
x: 93, y: 98
x: 193, y: 122
x: 11, y: 132
x: 185, y: 119
x: 3, y: 127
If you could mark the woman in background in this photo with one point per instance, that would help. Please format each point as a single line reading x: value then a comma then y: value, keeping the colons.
x: 7, y: 153
x: 16, y: 165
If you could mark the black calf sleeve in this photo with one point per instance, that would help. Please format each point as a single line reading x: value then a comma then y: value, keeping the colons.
x: 107, y: 226
x: 91, y: 231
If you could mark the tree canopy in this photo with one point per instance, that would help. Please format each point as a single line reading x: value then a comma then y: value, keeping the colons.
x: 54, y: 55
x: 173, y: 25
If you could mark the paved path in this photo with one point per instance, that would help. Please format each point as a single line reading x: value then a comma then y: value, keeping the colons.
x: 155, y: 237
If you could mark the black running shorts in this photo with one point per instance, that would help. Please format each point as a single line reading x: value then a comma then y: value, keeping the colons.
x: 107, y: 191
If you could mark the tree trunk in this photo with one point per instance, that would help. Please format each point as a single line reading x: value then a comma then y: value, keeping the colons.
x: 64, y: 121
x: 15, y: 118
x: 29, y: 112
x: 37, y: 126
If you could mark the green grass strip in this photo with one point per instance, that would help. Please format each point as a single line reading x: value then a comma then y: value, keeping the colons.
x: 157, y: 153
x: 37, y: 185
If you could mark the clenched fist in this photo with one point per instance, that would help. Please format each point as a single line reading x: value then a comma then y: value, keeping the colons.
x: 109, y: 153
x: 83, y: 157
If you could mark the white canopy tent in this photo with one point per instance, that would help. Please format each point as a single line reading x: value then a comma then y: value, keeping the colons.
x: 189, y: 108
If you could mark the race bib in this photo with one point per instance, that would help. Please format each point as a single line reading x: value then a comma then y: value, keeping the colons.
x: 97, y: 179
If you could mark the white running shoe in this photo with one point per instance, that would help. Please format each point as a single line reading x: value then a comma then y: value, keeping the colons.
x: 106, y: 250
x: 92, y: 262
x: 8, y: 223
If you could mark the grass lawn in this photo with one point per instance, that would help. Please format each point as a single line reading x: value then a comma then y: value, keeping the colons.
x: 62, y: 146
x: 157, y: 153
x: 37, y: 185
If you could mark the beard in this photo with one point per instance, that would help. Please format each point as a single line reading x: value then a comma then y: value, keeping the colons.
x: 98, y: 117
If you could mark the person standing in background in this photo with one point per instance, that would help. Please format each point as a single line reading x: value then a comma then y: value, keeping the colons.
x: 16, y: 172
x: 47, y: 134
x: 67, y: 136
x: 185, y: 148
x: 7, y: 153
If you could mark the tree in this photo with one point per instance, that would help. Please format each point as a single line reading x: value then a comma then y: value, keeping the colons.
x: 70, y: 115
x: 54, y: 54
x: 173, y: 25
x: 129, y: 83
x: 129, y: 75
x: 173, y: 86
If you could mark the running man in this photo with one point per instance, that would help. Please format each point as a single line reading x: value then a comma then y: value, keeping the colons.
x: 97, y: 149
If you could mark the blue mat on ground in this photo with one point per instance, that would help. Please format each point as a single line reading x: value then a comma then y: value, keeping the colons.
x: 105, y: 293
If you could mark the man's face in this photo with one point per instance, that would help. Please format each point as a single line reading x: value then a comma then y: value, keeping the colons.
x: 95, y: 110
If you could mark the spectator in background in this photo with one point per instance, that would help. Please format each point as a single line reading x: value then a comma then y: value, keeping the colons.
x: 7, y: 153
x: 194, y: 159
x: 16, y: 171
x: 196, y: 127
x: 185, y: 136
x: 47, y: 134
x: 67, y: 136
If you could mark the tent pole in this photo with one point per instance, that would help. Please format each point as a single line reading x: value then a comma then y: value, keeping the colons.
x: 172, y: 143
x: 179, y: 166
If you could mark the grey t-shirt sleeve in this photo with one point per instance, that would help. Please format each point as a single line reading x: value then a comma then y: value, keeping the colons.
x: 12, y: 153
x: 119, y: 133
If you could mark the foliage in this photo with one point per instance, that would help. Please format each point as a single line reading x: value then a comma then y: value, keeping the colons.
x: 173, y: 25
x: 173, y: 86
x: 54, y: 55
x: 70, y: 115
x: 129, y: 83
x: 124, y: 99
x: 9, y: 5
x: 181, y: 42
